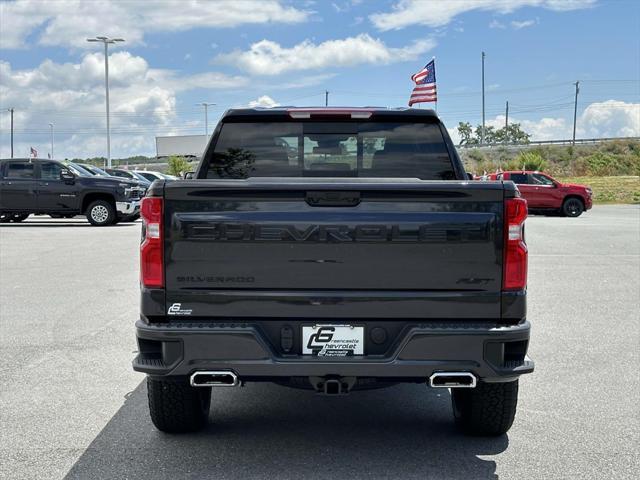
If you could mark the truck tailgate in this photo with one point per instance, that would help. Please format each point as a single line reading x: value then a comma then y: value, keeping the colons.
x: 334, y: 248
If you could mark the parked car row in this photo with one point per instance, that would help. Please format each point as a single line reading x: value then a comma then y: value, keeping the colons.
x: 66, y: 189
x: 151, y: 176
x: 146, y: 176
x: 546, y: 194
x: 112, y: 195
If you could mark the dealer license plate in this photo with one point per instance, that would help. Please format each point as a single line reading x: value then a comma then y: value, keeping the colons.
x: 332, y: 340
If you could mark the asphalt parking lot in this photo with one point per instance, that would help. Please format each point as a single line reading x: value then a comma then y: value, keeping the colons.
x: 71, y: 407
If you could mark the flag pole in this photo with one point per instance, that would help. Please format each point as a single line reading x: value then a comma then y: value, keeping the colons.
x: 433, y: 59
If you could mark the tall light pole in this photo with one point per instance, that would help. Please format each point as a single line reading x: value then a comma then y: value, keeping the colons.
x: 11, y: 111
x: 51, y: 126
x: 575, y: 112
x: 482, y: 132
x: 206, y: 115
x: 107, y: 41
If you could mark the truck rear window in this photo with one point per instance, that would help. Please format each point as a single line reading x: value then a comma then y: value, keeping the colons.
x: 324, y: 149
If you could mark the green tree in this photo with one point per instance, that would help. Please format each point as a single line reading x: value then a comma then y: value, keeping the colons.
x: 178, y: 165
x: 512, y: 133
x: 489, y: 134
x: 466, y: 134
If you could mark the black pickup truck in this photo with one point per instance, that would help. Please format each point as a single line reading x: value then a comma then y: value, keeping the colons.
x: 50, y: 187
x: 333, y: 249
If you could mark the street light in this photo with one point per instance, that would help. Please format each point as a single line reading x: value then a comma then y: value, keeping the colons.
x: 51, y: 125
x: 206, y: 115
x: 107, y: 41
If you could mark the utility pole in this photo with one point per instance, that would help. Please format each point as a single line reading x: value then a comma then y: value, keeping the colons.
x: 11, y: 110
x: 326, y: 98
x: 506, y: 123
x: 482, y: 132
x: 107, y: 41
x: 51, y: 125
x: 206, y: 115
x: 575, y: 111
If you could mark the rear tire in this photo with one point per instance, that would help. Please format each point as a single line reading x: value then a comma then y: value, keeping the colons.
x: 572, y: 207
x: 177, y: 407
x: 5, y: 217
x: 101, y: 213
x: 18, y: 217
x: 487, y: 410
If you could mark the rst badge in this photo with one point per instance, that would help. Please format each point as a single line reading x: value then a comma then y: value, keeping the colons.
x: 332, y: 340
x: 176, y: 309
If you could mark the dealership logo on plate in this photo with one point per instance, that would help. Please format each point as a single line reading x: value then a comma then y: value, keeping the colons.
x: 176, y: 309
x: 332, y: 340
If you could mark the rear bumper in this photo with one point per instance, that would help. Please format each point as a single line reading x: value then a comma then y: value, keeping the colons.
x: 492, y: 352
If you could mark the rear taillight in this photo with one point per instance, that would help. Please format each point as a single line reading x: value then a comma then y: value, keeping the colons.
x: 514, y: 276
x: 151, y: 253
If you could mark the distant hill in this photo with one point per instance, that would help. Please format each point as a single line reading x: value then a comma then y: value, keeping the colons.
x: 612, y: 158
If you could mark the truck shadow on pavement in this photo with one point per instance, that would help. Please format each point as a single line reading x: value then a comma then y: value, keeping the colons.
x: 59, y: 224
x: 267, y: 431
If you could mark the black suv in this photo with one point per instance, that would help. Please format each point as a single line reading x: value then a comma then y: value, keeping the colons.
x: 50, y: 187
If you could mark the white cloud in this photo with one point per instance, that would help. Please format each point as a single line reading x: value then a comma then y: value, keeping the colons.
x: 611, y: 118
x: 546, y: 128
x: 263, y: 101
x: 496, y: 24
x: 71, y: 95
x: 455, y: 135
x: 436, y: 14
x: 339, y: 8
x: 70, y: 22
x: 522, y: 24
x: 270, y: 58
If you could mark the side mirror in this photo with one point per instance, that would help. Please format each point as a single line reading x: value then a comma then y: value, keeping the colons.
x: 189, y: 175
x: 67, y: 176
x: 469, y: 176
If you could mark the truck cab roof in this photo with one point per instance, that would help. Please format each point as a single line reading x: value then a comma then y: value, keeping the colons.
x: 318, y: 112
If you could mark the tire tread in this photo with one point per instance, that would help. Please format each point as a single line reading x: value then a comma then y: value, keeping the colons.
x: 176, y: 407
x: 487, y: 410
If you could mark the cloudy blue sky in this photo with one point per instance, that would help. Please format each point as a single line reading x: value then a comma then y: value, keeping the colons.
x: 269, y: 52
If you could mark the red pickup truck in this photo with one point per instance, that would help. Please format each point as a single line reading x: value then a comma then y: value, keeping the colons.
x: 544, y: 192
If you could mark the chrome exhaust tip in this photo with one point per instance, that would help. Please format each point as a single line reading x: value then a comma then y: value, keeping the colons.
x: 453, y: 380
x: 220, y: 378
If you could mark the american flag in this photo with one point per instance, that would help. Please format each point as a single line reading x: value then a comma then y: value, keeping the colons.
x: 34, y: 152
x: 425, y: 89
